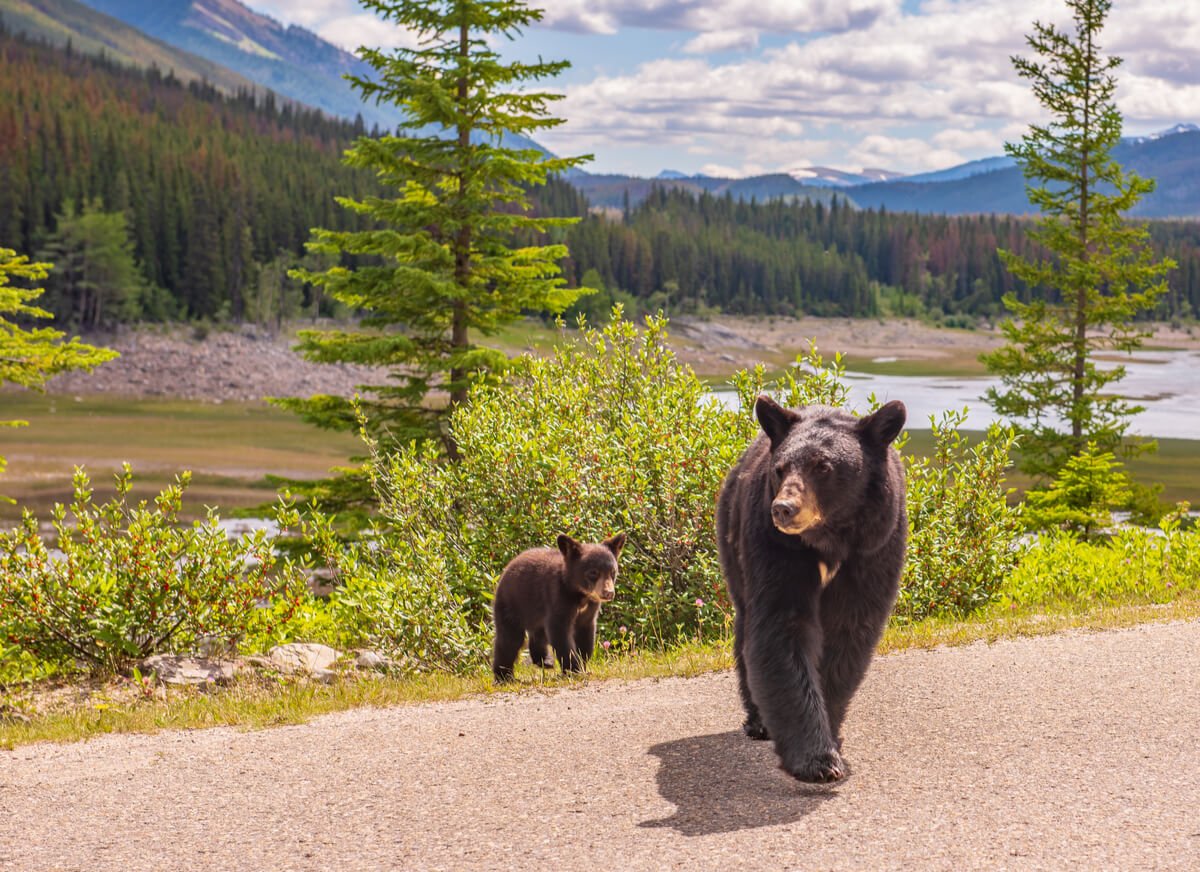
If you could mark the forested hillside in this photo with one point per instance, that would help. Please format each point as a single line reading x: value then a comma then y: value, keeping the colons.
x: 802, y: 257
x: 157, y: 199
x: 206, y: 187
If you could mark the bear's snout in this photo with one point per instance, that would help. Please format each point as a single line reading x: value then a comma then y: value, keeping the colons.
x: 783, y: 512
x: 608, y: 591
x: 795, y: 511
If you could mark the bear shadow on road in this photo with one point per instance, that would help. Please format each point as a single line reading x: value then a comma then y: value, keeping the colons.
x: 725, y: 782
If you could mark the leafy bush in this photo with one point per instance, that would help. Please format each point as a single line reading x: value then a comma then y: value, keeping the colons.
x: 1136, y: 563
x: 129, y: 581
x: 963, y: 535
x: 609, y: 433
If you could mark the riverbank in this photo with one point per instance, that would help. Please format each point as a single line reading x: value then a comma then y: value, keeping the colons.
x: 246, y: 364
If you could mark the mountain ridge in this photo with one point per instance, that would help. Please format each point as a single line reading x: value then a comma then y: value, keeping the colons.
x: 92, y: 32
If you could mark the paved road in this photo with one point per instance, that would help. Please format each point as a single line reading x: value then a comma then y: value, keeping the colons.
x: 1078, y: 751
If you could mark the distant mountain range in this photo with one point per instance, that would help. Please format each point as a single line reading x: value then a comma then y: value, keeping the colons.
x: 234, y: 48
x: 994, y: 184
x: 1171, y: 158
x: 91, y: 32
x: 291, y: 61
x: 222, y: 41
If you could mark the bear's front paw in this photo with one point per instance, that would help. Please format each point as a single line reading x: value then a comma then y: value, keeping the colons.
x: 818, y: 769
x: 753, y: 727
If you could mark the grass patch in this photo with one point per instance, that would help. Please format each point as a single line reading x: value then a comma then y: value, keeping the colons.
x: 954, y: 364
x: 228, y: 447
x: 257, y: 703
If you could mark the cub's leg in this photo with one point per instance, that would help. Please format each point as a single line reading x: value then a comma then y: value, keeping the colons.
x: 560, y: 624
x: 585, y: 634
x: 509, y: 637
x: 539, y: 649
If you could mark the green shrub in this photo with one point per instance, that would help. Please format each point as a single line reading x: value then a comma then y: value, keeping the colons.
x: 611, y: 433
x: 963, y: 535
x: 1135, y: 564
x: 129, y: 581
x: 396, y: 594
x: 608, y: 433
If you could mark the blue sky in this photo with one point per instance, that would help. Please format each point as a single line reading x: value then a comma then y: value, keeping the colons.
x: 740, y: 87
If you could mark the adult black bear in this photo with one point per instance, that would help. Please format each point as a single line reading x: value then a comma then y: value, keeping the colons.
x: 555, y: 596
x: 811, y: 529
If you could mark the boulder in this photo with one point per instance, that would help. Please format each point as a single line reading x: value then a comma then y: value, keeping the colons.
x: 303, y: 657
x: 181, y: 669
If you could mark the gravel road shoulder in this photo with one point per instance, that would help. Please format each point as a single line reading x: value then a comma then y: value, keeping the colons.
x: 1061, y: 752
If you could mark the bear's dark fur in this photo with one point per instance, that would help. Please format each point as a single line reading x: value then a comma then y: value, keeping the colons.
x: 811, y: 528
x: 555, y: 596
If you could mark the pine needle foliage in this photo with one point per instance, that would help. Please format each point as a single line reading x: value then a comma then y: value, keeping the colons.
x: 439, y: 267
x: 1098, y: 272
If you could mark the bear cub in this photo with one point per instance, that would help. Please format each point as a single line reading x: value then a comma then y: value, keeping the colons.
x: 555, y: 597
x: 811, y: 531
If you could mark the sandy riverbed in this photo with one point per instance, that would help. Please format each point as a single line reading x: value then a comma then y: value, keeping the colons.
x: 248, y: 364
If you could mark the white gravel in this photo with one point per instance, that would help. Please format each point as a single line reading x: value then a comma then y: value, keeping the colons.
x: 1076, y: 751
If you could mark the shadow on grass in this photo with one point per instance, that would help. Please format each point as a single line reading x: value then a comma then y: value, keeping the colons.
x: 726, y: 782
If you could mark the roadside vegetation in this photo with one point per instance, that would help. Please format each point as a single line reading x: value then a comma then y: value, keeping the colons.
x: 417, y: 587
x: 605, y: 432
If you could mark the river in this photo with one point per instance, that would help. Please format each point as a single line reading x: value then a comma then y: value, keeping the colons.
x: 1167, y: 383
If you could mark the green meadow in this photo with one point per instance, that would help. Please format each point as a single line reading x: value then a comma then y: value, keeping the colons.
x: 227, y: 446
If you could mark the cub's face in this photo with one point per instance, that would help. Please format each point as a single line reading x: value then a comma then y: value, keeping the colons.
x: 819, y: 458
x: 592, y: 568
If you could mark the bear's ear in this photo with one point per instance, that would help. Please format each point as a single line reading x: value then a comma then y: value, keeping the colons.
x: 885, y: 424
x: 615, y: 544
x: 776, y: 421
x: 569, y: 547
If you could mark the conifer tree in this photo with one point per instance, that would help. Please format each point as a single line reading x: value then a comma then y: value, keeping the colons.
x: 438, y: 269
x: 30, y: 357
x: 1099, y: 272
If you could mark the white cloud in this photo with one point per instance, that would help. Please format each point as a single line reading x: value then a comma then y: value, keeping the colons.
x: 860, y: 83
x: 712, y: 16
x: 352, y: 31
x: 722, y: 40
x: 923, y: 90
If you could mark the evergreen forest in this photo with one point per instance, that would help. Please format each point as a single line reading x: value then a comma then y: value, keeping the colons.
x: 159, y: 200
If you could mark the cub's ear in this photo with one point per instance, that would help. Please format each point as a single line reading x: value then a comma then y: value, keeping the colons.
x: 884, y: 425
x: 615, y: 544
x: 774, y: 418
x: 569, y: 547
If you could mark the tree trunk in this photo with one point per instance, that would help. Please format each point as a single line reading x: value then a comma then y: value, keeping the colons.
x: 459, y: 337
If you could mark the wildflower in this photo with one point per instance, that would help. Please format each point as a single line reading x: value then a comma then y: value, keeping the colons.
x: 606, y: 644
x: 623, y: 628
x: 699, y: 603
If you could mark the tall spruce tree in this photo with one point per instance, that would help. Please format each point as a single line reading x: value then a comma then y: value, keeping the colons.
x: 438, y: 266
x: 1098, y: 272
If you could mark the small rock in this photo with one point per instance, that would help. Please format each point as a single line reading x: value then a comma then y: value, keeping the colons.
x: 372, y: 660
x: 180, y: 669
x: 324, y: 676
x: 303, y: 656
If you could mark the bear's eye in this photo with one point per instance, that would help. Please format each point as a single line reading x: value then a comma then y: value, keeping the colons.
x: 593, y: 574
x: 780, y: 471
x: 822, y: 467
